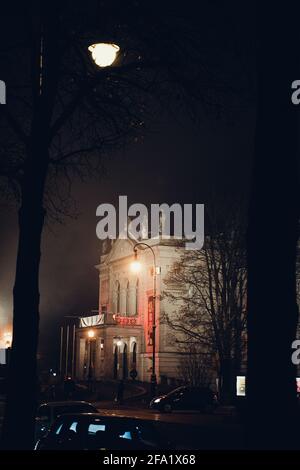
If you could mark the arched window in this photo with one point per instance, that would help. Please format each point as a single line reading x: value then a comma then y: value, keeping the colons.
x: 116, y: 362
x: 134, y: 356
x: 136, y: 307
x: 127, y: 307
x: 118, y: 295
x: 125, y: 364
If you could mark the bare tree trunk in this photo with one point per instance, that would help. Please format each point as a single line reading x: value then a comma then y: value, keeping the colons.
x: 22, y: 381
x: 227, y: 383
x: 272, y: 236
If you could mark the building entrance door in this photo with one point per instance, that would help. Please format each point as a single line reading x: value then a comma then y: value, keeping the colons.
x: 125, y: 362
x: 116, y: 362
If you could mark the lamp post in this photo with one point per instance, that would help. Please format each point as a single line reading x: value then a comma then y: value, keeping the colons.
x: 91, y: 335
x: 70, y: 343
x: 135, y: 268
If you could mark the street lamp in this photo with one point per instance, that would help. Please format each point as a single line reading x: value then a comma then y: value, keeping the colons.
x: 135, y: 266
x: 91, y: 336
x: 118, y: 340
x: 8, y: 339
x: 104, y: 54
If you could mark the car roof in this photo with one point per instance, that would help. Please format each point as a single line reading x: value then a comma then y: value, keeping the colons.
x: 65, y: 403
x: 101, y: 416
x: 97, y: 415
x: 181, y: 387
x: 190, y: 388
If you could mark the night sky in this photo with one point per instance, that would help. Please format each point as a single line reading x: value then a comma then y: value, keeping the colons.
x: 181, y: 159
x: 181, y: 163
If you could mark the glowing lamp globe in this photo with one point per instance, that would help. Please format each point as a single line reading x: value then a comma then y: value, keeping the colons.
x: 135, y: 266
x: 104, y: 54
x: 91, y: 333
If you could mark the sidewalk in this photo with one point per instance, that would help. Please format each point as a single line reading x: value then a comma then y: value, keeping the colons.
x: 105, y: 393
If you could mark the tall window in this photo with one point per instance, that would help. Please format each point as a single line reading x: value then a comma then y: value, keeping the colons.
x: 134, y: 356
x: 116, y: 362
x: 136, y: 307
x: 125, y: 365
x: 118, y: 295
x: 127, y: 307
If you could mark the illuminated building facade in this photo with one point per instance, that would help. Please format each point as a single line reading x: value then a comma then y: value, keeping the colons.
x: 121, y: 344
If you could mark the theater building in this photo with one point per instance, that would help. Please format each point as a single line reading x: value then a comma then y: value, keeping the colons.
x: 116, y: 342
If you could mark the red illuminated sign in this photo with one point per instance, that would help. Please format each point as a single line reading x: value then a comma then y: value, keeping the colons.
x: 125, y: 321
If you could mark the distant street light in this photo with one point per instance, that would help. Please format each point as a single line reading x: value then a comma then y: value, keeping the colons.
x: 135, y: 267
x: 8, y: 339
x: 118, y: 340
x: 104, y: 54
x: 91, y: 334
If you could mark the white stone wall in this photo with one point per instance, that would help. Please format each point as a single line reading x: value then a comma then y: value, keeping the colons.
x: 115, y: 267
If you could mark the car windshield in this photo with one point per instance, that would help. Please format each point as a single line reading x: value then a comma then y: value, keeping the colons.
x: 73, y: 408
x: 100, y: 432
x: 177, y: 392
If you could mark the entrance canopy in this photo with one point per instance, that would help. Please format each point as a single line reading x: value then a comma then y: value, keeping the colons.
x: 93, y: 320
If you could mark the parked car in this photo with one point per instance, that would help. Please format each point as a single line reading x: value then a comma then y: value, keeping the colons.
x: 186, y: 398
x: 48, y: 412
x: 96, y: 432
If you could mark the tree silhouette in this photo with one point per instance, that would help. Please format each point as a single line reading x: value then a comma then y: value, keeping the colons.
x: 272, y: 237
x: 208, y: 290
